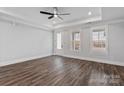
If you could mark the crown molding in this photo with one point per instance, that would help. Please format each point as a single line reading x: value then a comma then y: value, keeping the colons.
x: 78, y: 22
x: 13, y: 18
x: 91, y: 24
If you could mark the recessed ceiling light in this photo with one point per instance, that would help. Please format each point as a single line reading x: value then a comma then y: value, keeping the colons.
x: 89, y: 13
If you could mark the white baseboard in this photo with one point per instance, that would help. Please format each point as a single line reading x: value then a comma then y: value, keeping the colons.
x: 96, y: 60
x: 4, y: 63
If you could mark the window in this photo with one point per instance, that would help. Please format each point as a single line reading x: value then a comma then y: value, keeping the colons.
x: 76, y: 40
x: 99, y: 38
x: 59, y: 41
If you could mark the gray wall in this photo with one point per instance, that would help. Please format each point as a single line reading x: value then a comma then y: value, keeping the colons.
x: 20, y: 42
x: 115, y: 51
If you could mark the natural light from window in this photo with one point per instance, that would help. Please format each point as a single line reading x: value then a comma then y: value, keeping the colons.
x: 76, y: 40
x: 99, y: 38
x: 59, y: 41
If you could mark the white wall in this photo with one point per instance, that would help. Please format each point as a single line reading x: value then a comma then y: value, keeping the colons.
x: 115, y: 53
x: 19, y: 42
x: 116, y: 41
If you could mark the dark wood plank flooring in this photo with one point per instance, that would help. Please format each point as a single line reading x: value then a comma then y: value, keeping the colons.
x: 61, y: 71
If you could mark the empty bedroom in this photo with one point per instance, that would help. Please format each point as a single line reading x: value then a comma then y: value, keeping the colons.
x: 61, y: 46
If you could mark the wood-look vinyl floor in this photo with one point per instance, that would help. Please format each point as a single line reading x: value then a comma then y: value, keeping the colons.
x: 61, y: 71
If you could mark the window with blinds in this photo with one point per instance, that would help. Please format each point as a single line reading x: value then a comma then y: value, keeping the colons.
x: 76, y: 40
x: 99, y: 38
x: 59, y: 40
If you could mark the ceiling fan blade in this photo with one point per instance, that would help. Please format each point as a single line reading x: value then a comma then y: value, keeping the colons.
x: 51, y: 17
x: 64, y: 14
x: 60, y: 17
x: 47, y: 13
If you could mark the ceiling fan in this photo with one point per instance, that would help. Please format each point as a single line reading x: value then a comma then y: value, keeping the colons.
x: 54, y: 14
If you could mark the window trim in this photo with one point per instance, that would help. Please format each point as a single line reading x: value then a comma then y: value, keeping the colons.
x: 105, y: 27
x: 57, y: 40
x: 72, y: 46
